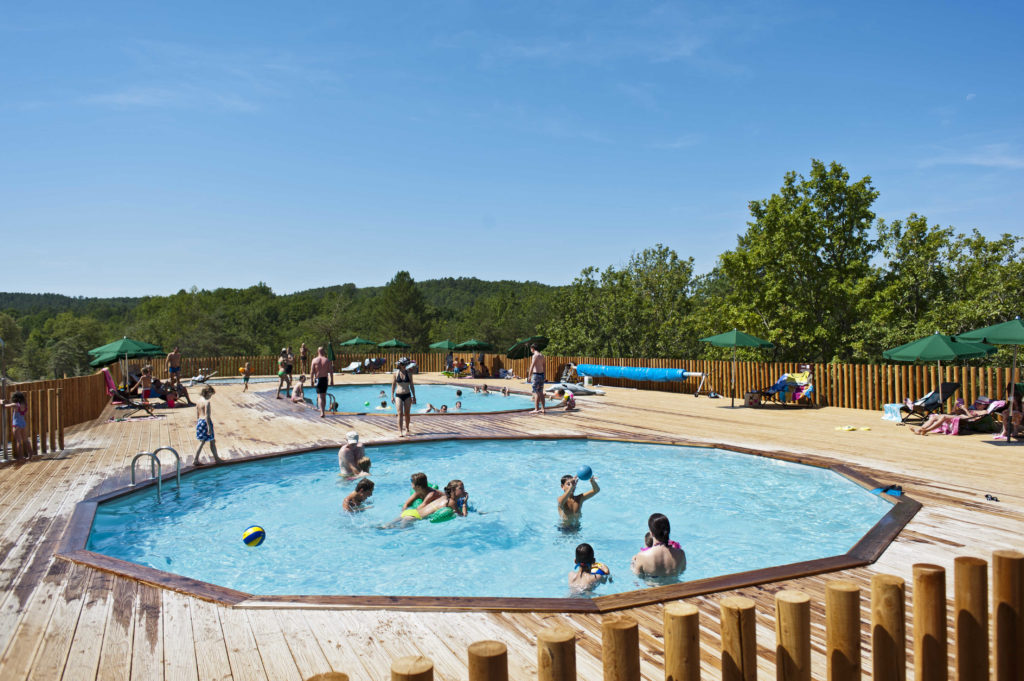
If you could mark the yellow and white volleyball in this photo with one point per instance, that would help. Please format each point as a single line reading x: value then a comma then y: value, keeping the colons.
x: 254, y: 535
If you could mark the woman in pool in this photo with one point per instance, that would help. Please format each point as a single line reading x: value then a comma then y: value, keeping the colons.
x: 404, y: 392
x: 588, y: 573
x: 662, y: 557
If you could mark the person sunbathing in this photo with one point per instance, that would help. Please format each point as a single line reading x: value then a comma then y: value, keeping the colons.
x: 934, y: 422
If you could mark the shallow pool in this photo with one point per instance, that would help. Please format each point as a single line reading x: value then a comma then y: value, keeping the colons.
x: 731, y: 512
x: 367, y: 398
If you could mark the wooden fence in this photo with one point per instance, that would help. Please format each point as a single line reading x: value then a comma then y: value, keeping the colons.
x: 858, y: 386
x: 928, y: 652
x: 53, y: 406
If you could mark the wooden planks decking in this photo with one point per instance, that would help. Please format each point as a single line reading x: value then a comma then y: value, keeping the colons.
x: 61, y: 620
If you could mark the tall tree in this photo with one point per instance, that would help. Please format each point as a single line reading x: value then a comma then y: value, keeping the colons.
x: 801, y: 273
x: 401, y: 312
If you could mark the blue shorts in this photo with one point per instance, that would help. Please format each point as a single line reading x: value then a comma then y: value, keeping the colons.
x: 174, y: 370
x: 538, y: 382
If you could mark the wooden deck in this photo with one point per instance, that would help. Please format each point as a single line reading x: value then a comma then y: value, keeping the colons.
x: 62, y: 620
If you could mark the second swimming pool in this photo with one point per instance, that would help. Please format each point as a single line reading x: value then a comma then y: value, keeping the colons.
x: 367, y: 398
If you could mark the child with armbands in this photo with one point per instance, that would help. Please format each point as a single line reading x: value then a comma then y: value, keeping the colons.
x: 587, y: 573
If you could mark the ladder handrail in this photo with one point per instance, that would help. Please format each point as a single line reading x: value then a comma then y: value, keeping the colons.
x: 154, y: 465
x: 177, y: 461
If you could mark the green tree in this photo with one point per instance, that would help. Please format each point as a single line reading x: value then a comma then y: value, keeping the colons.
x: 801, y: 273
x: 401, y: 312
x: 637, y: 311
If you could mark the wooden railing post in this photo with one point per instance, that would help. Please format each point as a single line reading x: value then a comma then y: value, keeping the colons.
x: 329, y: 676
x: 51, y: 420
x: 739, y: 651
x: 412, y: 668
x: 842, y: 630
x: 620, y: 643
x: 488, y: 661
x: 682, y: 642
x: 1008, y: 614
x: 970, y: 618
x: 792, y: 636
x: 556, y: 654
x: 930, y: 647
x: 888, y: 629
x: 60, y: 419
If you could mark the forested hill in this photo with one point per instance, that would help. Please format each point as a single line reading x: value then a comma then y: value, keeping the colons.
x: 815, y: 272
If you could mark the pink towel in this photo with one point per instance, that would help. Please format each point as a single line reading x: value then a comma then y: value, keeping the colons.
x: 949, y: 427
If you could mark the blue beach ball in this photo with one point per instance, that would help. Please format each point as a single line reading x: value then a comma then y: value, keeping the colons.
x: 254, y: 536
x: 584, y: 472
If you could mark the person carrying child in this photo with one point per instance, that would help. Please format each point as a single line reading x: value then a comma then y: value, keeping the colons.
x: 660, y: 557
x: 246, y: 373
x: 352, y: 459
x: 20, y: 445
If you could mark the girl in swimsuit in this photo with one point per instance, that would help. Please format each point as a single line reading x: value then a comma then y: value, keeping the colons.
x: 404, y: 392
x: 19, y: 425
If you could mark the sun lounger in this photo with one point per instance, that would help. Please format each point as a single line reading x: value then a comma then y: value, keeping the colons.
x: 352, y: 368
x: 932, y: 403
x: 123, y: 397
x: 791, y: 387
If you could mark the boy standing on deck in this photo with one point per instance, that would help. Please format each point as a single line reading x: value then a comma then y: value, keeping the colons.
x: 538, y: 369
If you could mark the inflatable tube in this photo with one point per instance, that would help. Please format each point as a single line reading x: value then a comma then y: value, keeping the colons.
x: 578, y: 389
x: 635, y: 373
x: 442, y: 514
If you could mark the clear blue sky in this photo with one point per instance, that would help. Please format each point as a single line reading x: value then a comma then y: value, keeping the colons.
x: 309, y: 144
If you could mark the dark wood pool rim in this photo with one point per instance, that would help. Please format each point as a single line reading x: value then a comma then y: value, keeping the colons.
x: 864, y: 552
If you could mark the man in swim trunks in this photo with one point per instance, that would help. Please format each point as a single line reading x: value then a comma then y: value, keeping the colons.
x: 318, y: 372
x: 538, y: 368
x: 174, y: 365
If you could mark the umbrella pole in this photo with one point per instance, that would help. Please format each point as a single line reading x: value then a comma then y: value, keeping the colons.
x: 732, y: 389
x: 1013, y: 393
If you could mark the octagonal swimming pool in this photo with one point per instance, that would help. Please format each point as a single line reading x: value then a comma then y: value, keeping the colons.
x: 731, y: 512
x: 367, y: 398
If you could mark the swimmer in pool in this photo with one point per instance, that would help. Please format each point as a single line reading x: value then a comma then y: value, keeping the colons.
x: 354, y: 502
x: 661, y: 557
x: 569, y: 503
x: 421, y: 489
x: 588, y: 573
x: 454, y: 497
x: 351, y: 455
x: 382, y: 405
x: 458, y: 405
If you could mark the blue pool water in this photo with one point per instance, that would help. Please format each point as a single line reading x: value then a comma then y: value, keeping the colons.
x: 367, y: 399
x: 731, y: 512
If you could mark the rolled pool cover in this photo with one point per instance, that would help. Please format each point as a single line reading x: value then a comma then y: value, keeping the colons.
x: 635, y: 373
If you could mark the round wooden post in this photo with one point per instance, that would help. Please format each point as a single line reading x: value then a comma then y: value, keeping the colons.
x: 888, y: 629
x: 412, y: 668
x: 842, y: 630
x: 51, y: 420
x: 792, y: 636
x: 739, y: 651
x: 1008, y: 614
x: 488, y: 661
x: 930, y: 648
x: 556, y: 654
x: 329, y: 676
x: 60, y: 419
x: 970, y: 615
x: 682, y: 642
x: 620, y: 641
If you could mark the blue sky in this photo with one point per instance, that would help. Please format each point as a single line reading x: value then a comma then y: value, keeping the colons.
x: 222, y: 144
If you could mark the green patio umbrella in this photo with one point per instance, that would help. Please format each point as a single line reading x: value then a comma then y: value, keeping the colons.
x: 474, y: 344
x: 352, y: 342
x: 521, y: 349
x: 393, y: 343
x: 736, y: 339
x: 128, y: 346
x: 1006, y: 333
x: 330, y: 351
x: 938, y: 348
x: 442, y: 345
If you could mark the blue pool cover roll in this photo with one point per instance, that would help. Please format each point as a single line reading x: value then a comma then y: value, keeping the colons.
x: 634, y: 373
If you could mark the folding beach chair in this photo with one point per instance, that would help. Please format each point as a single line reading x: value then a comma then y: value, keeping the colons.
x: 121, y: 396
x: 791, y: 388
x: 932, y: 403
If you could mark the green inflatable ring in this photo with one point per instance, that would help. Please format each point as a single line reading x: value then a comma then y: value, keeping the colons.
x: 441, y: 515
x: 418, y: 502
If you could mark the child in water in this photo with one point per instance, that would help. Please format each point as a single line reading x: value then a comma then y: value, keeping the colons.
x: 587, y: 573
x: 354, y: 502
x: 422, y: 490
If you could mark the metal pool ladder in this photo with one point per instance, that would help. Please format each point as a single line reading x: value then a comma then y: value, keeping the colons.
x: 154, y: 468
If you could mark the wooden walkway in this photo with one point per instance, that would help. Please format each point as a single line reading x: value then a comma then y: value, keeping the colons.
x: 60, y: 620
